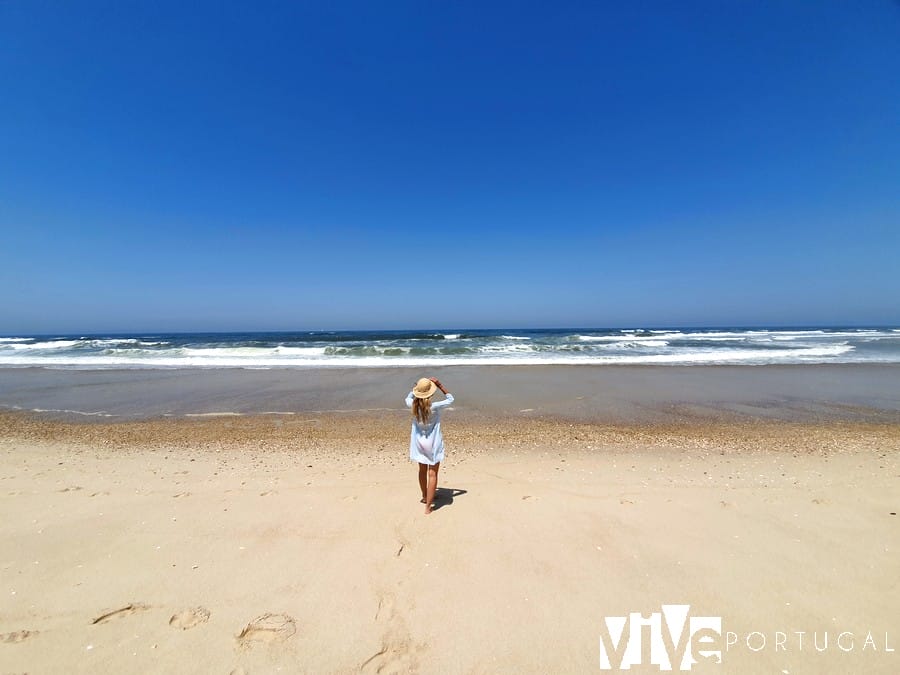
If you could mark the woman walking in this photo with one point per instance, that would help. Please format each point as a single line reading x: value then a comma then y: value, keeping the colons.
x: 426, y: 443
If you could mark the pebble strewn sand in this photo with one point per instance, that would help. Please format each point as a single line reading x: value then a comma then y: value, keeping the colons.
x: 387, y: 433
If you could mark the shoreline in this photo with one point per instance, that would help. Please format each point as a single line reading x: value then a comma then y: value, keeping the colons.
x: 600, y: 394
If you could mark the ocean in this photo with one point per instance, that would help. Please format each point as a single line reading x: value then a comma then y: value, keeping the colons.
x: 355, y: 349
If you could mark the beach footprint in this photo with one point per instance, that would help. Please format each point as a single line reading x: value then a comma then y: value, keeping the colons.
x: 17, y: 636
x: 268, y: 628
x: 188, y: 618
x: 397, y: 654
x: 127, y: 610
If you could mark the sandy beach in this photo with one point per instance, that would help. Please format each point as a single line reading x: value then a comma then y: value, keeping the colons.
x: 296, y: 543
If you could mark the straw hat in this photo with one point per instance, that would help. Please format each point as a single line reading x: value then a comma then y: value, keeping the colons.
x: 424, y: 388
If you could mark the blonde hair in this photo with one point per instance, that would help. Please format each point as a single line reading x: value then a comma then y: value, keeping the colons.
x: 421, y: 409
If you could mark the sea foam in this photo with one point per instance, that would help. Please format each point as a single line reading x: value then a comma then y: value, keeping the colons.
x: 476, y: 347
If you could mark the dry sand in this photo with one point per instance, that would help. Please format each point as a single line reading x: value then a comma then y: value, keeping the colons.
x: 298, y: 544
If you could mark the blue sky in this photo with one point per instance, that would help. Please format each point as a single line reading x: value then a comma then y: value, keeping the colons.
x: 280, y: 165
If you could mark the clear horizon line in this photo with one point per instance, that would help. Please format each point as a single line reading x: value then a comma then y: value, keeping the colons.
x: 771, y: 326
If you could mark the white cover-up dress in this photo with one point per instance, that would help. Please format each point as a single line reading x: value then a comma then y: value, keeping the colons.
x: 426, y: 443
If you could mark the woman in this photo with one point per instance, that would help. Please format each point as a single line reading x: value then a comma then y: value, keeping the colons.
x: 426, y: 444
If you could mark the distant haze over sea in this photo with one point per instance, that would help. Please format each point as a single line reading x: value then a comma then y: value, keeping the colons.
x: 261, y: 350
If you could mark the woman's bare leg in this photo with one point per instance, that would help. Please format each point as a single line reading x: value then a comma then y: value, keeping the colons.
x: 423, y: 481
x: 432, y: 486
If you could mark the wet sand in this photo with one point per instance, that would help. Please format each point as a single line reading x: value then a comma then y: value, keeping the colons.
x: 606, y: 394
x: 267, y: 543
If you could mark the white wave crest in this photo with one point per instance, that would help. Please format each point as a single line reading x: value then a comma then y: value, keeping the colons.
x: 560, y: 349
x: 223, y: 352
x: 506, y: 349
x: 724, y: 339
x: 50, y: 344
x: 19, y: 343
x: 631, y: 344
x: 624, y: 340
x: 299, y: 351
x: 599, y: 338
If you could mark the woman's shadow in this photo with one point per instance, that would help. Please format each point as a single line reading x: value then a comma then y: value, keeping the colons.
x: 443, y: 496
